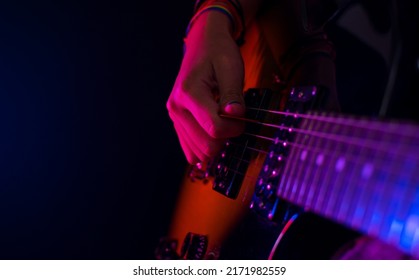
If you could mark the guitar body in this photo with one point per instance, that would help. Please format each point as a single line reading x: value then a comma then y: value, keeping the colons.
x: 240, y: 217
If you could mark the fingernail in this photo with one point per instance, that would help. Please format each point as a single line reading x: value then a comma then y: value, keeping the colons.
x: 234, y: 108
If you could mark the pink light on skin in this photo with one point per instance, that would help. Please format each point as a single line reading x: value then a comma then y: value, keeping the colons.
x: 234, y: 108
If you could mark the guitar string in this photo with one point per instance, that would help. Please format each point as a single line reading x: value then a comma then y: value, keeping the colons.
x: 365, y: 143
x: 336, y: 138
x: 280, y: 194
x: 349, y: 159
x: 336, y: 118
x: 304, y: 202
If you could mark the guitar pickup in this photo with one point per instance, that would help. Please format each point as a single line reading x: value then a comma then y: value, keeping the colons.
x: 234, y: 160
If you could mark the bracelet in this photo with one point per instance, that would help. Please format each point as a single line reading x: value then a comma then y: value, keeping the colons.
x: 231, y: 8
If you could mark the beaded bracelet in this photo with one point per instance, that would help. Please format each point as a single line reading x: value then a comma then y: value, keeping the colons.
x: 231, y: 8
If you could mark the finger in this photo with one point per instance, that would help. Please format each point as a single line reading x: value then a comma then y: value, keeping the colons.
x: 201, y: 103
x: 195, y: 153
x: 197, y: 137
x: 208, y: 145
x: 188, y: 152
x: 192, y: 150
x: 230, y: 76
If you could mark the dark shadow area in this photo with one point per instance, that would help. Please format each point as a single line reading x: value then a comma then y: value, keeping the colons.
x: 89, y: 162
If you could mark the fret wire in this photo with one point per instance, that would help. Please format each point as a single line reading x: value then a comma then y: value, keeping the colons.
x: 284, y: 186
x: 332, y: 189
x: 258, y: 177
x: 307, y: 175
x: 322, y: 188
x: 395, y: 196
x: 413, y: 184
x: 356, y: 186
x: 406, y: 200
x: 406, y: 150
x: 287, y: 180
x: 321, y: 175
x: 341, y: 118
x: 288, y: 170
x: 367, y: 182
x: 353, y: 157
x: 380, y: 196
x: 338, y: 138
x: 325, y: 187
x: 296, y: 173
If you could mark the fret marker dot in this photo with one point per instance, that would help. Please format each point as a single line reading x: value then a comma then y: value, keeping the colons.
x: 412, y: 227
x: 340, y: 164
x: 367, y: 170
x: 303, y: 155
x: 320, y: 159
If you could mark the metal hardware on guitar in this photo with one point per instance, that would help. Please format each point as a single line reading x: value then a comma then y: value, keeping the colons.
x: 194, y: 247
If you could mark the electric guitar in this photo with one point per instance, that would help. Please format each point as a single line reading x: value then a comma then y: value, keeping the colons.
x: 298, y: 170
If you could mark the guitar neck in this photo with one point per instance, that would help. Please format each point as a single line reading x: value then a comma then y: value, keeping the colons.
x: 362, y: 173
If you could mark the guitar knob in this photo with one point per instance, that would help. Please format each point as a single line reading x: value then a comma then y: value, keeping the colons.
x: 166, y: 249
x: 194, y: 246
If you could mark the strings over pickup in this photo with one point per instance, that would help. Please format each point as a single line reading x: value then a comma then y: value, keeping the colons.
x: 268, y: 114
x: 234, y: 159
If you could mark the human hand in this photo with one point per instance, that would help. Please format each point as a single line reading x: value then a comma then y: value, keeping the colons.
x: 209, y: 82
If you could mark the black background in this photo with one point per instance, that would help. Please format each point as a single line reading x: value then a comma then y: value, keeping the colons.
x: 89, y: 162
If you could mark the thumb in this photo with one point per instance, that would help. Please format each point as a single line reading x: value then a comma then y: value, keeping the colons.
x: 232, y: 104
x: 230, y: 85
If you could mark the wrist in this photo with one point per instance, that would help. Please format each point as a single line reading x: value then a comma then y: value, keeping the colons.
x: 209, y: 28
x: 224, y: 15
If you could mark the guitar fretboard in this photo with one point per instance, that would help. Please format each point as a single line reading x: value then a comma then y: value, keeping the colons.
x: 362, y: 173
